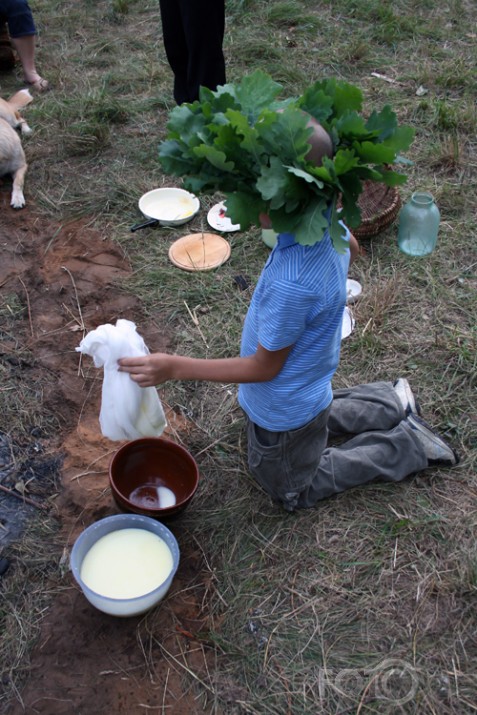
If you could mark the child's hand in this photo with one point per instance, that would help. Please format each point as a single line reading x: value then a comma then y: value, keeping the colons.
x: 265, y: 221
x: 147, y: 370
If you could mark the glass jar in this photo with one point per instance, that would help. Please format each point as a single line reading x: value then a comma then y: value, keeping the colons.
x: 418, y: 225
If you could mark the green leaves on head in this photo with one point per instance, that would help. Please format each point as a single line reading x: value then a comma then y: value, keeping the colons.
x: 285, y: 134
x: 244, y: 208
x: 329, y: 98
x: 313, y: 224
x: 256, y: 92
x: 245, y: 142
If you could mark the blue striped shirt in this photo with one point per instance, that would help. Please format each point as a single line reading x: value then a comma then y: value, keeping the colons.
x: 299, y: 300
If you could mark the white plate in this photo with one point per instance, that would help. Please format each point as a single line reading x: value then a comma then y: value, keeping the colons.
x: 218, y: 219
x: 347, y: 326
x: 353, y: 290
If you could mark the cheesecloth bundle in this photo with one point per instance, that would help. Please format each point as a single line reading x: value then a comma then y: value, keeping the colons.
x: 127, y: 410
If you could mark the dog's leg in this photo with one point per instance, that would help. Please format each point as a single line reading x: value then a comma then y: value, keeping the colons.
x: 24, y: 128
x: 18, y: 200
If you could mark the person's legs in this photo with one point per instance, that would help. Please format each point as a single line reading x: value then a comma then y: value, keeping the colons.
x: 387, y: 445
x: 375, y: 406
x: 285, y: 463
x: 19, y: 17
x: 175, y: 46
x: 387, y: 455
x: 25, y: 48
x: 23, y: 37
x: 193, y: 33
x: 204, y: 24
x: 298, y: 470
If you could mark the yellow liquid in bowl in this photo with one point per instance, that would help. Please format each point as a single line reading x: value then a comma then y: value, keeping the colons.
x: 126, y: 564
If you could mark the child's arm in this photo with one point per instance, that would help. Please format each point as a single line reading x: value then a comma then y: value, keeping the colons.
x: 156, y: 368
x: 353, y: 248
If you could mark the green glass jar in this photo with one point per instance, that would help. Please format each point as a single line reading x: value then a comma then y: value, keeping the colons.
x: 418, y: 225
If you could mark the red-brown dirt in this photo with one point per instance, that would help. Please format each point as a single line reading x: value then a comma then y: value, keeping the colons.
x: 86, y: 662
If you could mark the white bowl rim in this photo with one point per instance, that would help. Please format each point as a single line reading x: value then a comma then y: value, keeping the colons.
x: 163, y: 191
x: 111, y: 519
x: 353, y: 287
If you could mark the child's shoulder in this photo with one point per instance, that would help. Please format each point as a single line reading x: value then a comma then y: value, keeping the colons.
x: 302, y: 266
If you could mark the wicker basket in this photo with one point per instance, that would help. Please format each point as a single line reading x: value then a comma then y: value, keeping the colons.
x: 379, y: 206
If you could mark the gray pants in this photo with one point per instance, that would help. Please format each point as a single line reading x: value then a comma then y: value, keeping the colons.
x: 297, y: 468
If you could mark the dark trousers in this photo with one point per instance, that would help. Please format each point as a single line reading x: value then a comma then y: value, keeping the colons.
x: 297, y: 468
x: 193, y: 32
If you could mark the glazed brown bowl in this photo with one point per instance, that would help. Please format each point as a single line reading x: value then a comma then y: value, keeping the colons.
x: 144, y: 472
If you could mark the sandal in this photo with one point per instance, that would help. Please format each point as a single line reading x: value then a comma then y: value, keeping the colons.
x: 39, y: 85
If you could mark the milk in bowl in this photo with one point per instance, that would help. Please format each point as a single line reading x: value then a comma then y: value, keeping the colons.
x: 125, y: 563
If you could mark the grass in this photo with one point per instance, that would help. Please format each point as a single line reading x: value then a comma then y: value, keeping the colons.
x: 308, y: 612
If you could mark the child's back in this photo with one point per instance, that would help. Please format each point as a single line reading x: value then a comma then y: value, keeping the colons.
x: 298, y: 301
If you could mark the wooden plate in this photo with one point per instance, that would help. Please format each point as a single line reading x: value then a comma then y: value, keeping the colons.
x: 199, y: 251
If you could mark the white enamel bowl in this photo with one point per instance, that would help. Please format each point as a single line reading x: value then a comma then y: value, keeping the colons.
x: 123, y: 606
x: 169, y: 206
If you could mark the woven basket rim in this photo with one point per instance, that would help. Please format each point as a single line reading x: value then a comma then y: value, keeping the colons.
x: 379, y: 205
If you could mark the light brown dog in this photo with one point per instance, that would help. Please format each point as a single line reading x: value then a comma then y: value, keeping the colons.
x: 12, y: 156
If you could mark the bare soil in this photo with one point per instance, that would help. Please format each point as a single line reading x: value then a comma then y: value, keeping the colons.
x: 84, y: 662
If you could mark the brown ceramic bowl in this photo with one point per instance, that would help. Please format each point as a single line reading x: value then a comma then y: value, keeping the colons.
x: 147, y: 474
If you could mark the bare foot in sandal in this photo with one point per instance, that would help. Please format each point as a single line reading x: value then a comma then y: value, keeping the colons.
x: 40, y: 84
